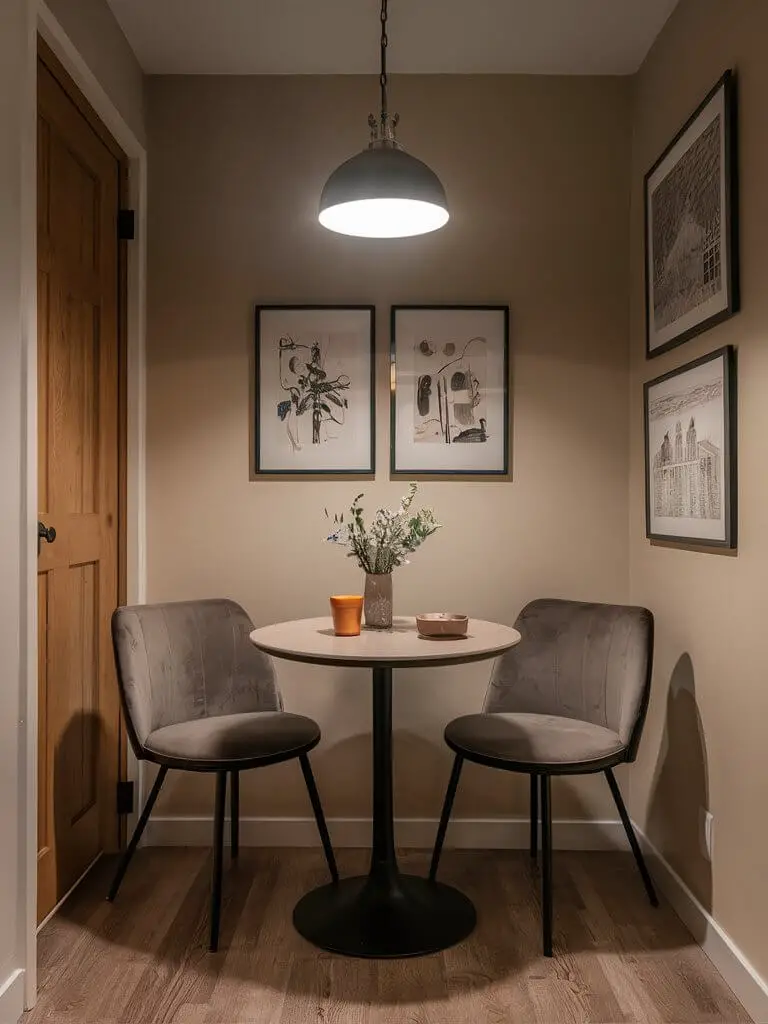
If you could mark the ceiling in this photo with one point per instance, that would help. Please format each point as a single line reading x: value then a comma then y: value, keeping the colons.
x: 570, y: 37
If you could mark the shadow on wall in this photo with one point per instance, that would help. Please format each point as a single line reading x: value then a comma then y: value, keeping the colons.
x: 419, y: 775
x: 421, y: 768
x: 75, y: 771
x: 343, y: 773
x: 680, y: 791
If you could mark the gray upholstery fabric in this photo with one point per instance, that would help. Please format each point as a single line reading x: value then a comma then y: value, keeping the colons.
x: 241, y: 737
x: 587, y: 662
x: 187, y: 661
x: 533, y: 740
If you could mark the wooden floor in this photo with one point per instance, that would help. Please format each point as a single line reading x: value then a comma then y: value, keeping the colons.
x: 144, y: 958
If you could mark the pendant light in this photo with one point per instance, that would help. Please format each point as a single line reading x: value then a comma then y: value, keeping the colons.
x: 383, y: 192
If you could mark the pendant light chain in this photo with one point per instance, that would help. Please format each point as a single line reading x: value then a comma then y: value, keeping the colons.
x: 383, y: 75
x: 383, y: 126
x: 383, y: 192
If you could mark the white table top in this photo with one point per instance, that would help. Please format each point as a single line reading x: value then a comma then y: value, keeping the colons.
x: 313, y: 640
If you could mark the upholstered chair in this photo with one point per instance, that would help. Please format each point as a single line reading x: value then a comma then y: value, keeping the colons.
x: 199, y: 697
x: 570, y: 699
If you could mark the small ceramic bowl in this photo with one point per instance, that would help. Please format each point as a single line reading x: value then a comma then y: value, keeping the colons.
x: 442, y: 624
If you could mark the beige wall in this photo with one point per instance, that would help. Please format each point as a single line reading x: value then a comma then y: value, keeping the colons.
x: 93, y: 29
x: 705, y: 739
x: 536, y: 171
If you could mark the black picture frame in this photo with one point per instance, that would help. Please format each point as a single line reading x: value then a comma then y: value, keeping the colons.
x: 502, y: 469
x: 727, y: 355
x: 725, y: 306
x: 269, y: 468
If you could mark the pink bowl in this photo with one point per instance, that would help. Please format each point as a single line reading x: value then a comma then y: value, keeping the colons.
x: 442, y: 624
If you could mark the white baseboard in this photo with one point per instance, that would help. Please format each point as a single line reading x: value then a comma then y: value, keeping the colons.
x: 744, y: 980
x: 12, y: 998
x: 411, y: 833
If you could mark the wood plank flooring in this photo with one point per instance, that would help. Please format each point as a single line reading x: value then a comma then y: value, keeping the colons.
x: 144, y: 958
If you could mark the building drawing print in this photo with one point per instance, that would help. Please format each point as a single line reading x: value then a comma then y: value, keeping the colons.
x: 449, y: 405
x: 687, y: 468
x: 687, y: 231
x: 313, y: 396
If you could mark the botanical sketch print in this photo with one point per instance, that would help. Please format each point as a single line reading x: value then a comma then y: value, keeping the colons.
x: 450, y: 389
x: 687, y: 467
x: 314, y: 396
x: 687, y: 230
x: 316, y: 390
x: 450, y: 403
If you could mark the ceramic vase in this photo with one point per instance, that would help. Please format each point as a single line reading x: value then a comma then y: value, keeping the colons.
x: 377, y: 602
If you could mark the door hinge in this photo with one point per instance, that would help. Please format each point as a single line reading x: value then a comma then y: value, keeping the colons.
x: 126, y: 225
x: 125, y: 798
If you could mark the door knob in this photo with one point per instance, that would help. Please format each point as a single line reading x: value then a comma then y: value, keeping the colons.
x: 45, y: 533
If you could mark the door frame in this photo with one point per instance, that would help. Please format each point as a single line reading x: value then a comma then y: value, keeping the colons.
x: 133, y: 557
x: 54, y: 70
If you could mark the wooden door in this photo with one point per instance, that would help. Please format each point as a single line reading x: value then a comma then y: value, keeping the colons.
x: 78, y: 464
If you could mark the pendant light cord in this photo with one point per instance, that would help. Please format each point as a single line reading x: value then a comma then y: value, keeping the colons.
x: 383, y: 75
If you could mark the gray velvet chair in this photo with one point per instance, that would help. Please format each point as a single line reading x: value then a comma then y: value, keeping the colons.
x: 570, y: 699
x: 198, y: 696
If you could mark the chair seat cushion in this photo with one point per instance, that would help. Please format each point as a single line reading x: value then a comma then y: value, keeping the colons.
x: 222, y: 739
x: 530, y: 740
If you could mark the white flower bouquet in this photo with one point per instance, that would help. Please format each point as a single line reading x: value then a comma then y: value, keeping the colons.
x: 389, y: 540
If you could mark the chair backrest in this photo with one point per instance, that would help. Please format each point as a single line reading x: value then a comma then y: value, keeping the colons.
x: 187, y: 660
x: 590, y: 662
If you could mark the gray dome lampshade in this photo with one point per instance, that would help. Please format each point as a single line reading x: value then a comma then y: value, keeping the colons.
x: 383, y: 192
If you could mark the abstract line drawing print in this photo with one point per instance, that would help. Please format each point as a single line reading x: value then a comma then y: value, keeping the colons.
x: 317, y: 403
x: 686, y: 220
x: 687, y: 468
x: 449, y: 402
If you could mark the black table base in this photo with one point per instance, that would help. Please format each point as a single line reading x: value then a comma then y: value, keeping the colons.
x: 354, y: 917
x: 384, y: 913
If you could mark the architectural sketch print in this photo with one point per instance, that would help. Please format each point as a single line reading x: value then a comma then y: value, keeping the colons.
x: 449, y: 402
x: 687, y: 469
x: 686, y: 224
x: 316, y: 403
x: 691, y: 226
x: 690, y: 452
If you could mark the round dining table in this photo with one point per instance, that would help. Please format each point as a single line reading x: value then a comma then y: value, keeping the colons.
x: 385, y: 913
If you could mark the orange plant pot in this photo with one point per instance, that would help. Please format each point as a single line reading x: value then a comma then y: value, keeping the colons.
x: 347, y: 611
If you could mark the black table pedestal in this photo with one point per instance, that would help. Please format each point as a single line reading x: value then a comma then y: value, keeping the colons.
x: 356, y: 919
x: 384, y: 913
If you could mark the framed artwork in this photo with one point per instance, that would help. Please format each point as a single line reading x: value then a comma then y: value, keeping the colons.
x: 315, y: 394
x: 690, y: 452
x: 450, y: 389
x: 691, y: 250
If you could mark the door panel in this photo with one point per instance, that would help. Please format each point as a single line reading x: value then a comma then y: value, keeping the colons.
x: 78, y: 469
x: 44, y: 838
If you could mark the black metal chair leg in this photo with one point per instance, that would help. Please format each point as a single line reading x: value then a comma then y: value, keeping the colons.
x: 125, y: 860
x: 218, y: 857
x: 639, y: 859
x: 450, y: 794
x: 546, y: 864
x: 534, y: 815
x: 234, y: 815
x: 317, y: 809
